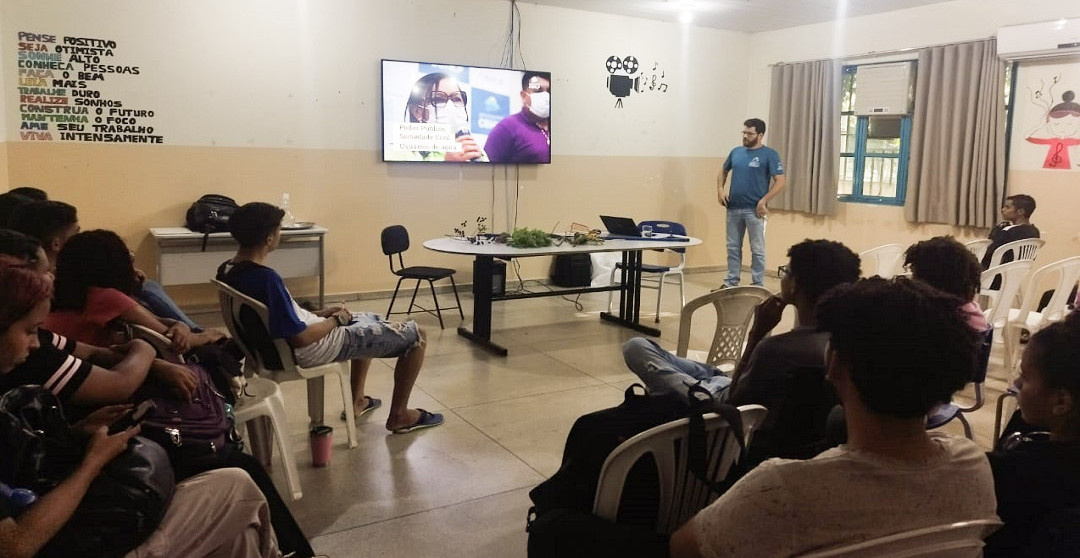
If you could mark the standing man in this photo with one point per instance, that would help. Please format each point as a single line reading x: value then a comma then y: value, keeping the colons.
x: 525, y: 137
x: 758, y: 177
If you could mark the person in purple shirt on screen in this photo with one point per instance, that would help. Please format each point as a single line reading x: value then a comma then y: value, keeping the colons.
x: 525, y: 137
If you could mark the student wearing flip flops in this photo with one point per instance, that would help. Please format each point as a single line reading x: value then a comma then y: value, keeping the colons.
x: 331, y: 334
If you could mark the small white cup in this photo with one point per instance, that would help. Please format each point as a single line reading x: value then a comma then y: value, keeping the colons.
x: 646, y: 230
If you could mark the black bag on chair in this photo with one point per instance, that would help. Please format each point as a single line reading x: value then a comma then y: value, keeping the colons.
x: 123, y: 505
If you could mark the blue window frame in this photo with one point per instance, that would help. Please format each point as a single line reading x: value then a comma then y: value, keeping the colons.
x: 874, y: 151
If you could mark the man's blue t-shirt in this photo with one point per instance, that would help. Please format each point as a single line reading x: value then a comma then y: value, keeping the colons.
x: 265, y: 285
x: 752, y: 170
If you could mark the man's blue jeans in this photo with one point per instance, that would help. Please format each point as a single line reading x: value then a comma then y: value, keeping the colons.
x: 740, y: 221
x: 154, y: 298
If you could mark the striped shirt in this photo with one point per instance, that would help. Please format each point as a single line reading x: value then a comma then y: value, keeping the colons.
x: 52, y: 366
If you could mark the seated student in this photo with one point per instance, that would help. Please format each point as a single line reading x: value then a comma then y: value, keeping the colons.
x: 945, y: 264
x: 9, y: 202
x: 219, y: 513
x: 95, y: 280
x: 896, y: 348
x: 83, y: 377
x: 814, y: 267
x: 1015, y: 225
x: 330, y: 335
x: 53, y: 223
x: 1037, y: 475
x: 30, y: 192
x: 22, y: 251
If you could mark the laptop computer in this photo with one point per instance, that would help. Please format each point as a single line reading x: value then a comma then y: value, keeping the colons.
x: 620, y: 227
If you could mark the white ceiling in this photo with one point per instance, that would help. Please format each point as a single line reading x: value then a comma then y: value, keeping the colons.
x: 748, y: 16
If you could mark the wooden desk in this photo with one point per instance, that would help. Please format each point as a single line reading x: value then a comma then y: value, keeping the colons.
x: 483, y: 264
x: 184, y: 260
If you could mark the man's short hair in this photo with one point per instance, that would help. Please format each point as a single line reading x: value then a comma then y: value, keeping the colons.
x: 945, y: 264
x: 30, y: 192
x: 9, y: 202
x: 527, y: 76
x: 43, y: 219
x: 1024, y: 202
x: 252, y: 222
x: 906, y: 344
x: 819, y: 265
x: 756, y: 123
x: 19, y: 246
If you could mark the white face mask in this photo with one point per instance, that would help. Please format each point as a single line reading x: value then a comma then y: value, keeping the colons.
x: 454, y: 116
x: 541, y: 104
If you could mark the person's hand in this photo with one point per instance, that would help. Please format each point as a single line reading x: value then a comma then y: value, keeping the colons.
x: 762, y: 209
x: 179, y: 381
x: 103, y: 448
x: 469, y: 150
x: 767, y: 314
x: 140, y: 276
x: 346, y: 315
x: 101, y: 417
x: 181, y: 336
x: 722, y: 197
x: 329, y: 311
x: 208, y: 337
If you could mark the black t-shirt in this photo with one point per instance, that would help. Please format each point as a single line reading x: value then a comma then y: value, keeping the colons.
x: 52, y: 366
x: 1032, y: 481
x: 1004, y: 233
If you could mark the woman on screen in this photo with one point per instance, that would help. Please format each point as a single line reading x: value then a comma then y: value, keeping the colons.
x: 438, y: 99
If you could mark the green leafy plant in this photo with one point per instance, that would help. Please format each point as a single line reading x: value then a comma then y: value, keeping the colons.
x: 529, y: 238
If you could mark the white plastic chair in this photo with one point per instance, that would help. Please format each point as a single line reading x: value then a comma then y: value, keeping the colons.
x: 1024, y: 249
x: 734, y: 308
x: 262, y: 398
x: 649, y: 271
x: 1012, y: 276
x: 1026, y: 317
x: 883, y: 260
x: 952, y: 540
x: 681, y: 493
x: 248, y: 321
x: 978, y: 247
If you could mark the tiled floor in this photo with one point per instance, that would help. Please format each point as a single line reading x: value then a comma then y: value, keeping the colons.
x: 461, y: 490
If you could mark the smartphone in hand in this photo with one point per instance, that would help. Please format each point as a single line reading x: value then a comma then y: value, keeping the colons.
x: 134, y: 416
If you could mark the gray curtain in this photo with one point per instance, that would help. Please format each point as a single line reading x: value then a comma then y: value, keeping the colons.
x: 956, y: 173
x: 804, y: 127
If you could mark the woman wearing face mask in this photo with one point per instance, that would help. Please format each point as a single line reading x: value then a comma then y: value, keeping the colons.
x: 525, y: 137
x: 438, y: 99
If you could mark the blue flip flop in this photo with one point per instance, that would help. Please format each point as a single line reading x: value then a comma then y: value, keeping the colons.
x: 426, y: 420
x: 372, y: 404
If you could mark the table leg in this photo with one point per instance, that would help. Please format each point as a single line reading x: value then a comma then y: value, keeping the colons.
x: 630, y: 296
x: 483, y: 267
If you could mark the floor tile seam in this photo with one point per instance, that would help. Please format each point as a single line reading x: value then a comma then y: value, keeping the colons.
x: 498, y: 443
x: 418, y: 512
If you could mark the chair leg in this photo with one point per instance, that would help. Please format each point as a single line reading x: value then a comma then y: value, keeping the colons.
x: 347, y: 399
x: 967, y: 426
x: 281, y: 434
x: 393, y: 298
x: 682, y: 290
x: 413, y: 301
x: 454, y: 286
x: 438, y: 311
x: 611, y: 281
x: 660, y: 295
x: 999, y: 414
x: 316, y: 399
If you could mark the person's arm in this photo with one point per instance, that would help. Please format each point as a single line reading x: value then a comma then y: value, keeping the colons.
x: 177, y: 378
x: 314, y: 332
x: 766, y: 317
x: 684, y: 542
x: 105, y: 386
x: 24, y: 536
x: 721, y: 186
x: 778, y: 183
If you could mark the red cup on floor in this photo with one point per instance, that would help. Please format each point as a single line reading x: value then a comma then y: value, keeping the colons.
x: 322, y: 445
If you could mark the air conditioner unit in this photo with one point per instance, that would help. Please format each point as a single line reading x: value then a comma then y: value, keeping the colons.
x: 1039, y: 40
x: 884, y: 89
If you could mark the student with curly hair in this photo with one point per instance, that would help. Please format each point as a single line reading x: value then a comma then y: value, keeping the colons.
x: 945, y: 264
x: 896, y: 349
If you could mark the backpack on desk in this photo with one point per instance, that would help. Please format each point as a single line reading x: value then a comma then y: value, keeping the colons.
x: 210, y: 214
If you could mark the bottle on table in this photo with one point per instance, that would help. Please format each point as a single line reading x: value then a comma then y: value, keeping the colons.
x: 288, y: 220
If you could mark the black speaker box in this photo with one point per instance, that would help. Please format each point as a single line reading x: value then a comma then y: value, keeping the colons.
x: 572, y: 270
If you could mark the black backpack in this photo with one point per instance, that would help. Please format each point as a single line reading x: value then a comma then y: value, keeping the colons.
x: 211, y: 213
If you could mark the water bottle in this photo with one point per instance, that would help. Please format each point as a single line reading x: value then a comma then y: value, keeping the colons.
x: 288, y: 220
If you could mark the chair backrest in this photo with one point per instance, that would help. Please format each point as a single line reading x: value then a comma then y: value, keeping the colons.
x: 734, y: 309
x: 1068, y: 271
x: 666, y: 227
x: 395, y: 241
x: 248, y: 321
x: 681, y: 493
x: 953, y: 540
x: 160, y: 343
x: 883, y: 260
x: 1012, y: 276
x: 1023, y: 249
x: 978, y: 247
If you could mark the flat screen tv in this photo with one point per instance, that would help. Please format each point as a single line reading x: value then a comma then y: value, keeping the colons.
x: 444, y: 113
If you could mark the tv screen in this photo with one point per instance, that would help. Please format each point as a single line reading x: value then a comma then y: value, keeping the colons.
x: 442, y: 113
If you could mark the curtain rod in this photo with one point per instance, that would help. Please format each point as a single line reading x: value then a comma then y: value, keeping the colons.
x: 874, y: 54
